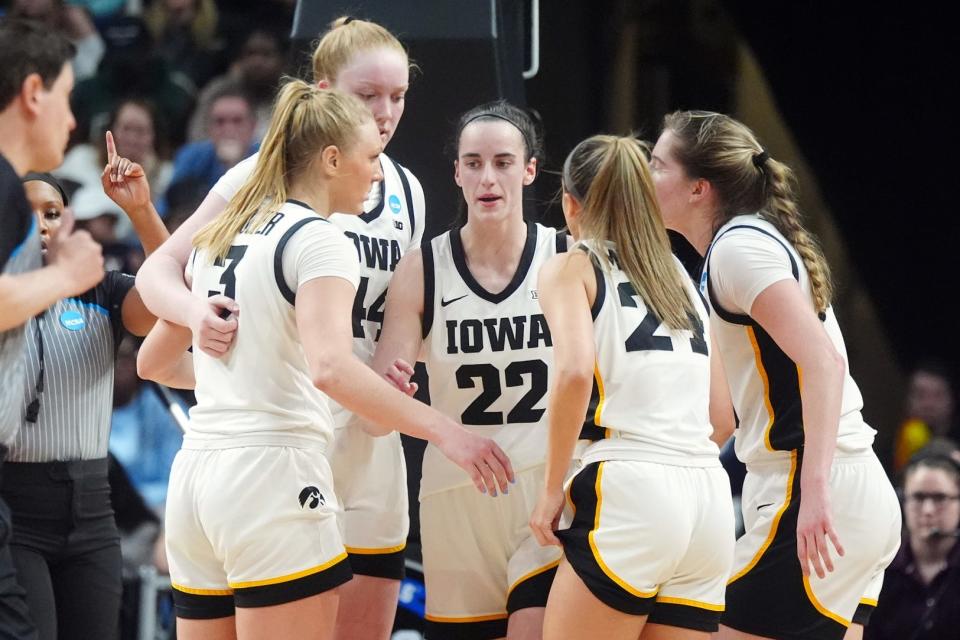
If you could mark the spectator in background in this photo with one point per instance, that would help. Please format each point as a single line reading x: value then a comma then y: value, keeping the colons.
x: 185, y: 34
x: 144, y: 437
x: 73, y: 22
x: 230, y: 131
x: 130, y: 68
x: 139, y: 136
x: 930, y: 411
x: 922, y: 586
x: 256, y: 71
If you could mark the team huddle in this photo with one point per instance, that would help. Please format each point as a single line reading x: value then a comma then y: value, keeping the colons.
x: 580, y: 383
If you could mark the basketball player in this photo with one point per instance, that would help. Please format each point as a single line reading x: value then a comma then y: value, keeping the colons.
x: 251, y: 526
x: 469, y: 298
x: 366, y: 60
x: 813, y: 481
x: 651, y: 539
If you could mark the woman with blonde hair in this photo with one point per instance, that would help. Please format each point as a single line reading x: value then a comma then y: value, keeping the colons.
x: 812, y: 480
x: 648, y: 548
x: 251, y: 526
x: 364, y: 59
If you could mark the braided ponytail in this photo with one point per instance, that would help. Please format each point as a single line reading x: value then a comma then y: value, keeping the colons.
x: 782, y: 212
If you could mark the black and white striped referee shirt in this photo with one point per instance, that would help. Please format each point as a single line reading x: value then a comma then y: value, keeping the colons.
x: 80, y: 337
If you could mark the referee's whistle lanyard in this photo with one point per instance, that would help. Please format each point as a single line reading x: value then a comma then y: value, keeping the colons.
x: 33, y: 409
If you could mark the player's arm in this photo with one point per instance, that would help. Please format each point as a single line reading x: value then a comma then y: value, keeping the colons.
x: 566, y: 287
x: 161, y: 286
x: 323, y: 310
x: 786, y: 313
x: 75, y: 265
x: 125, y: 182
x: 401, y: 335
x: 164, y: 358
x: 721, y: 407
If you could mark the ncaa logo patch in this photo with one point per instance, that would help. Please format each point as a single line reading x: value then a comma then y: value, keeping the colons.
x: 394, y: 203
x: 311, y: 497
x: 72, y: 321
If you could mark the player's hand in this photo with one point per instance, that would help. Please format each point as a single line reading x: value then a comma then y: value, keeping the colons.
x: 213, y: 322
x: 399, y: 375
x: 545, y: 518
x: 124, y: 181
x: 814, y: 528
x: 77, y: 255
x: 482, y: 459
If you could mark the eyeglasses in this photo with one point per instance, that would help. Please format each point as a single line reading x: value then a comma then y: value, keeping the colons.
x: 917, y: 499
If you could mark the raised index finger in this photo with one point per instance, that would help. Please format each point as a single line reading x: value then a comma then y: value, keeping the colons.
x: 111, y: 148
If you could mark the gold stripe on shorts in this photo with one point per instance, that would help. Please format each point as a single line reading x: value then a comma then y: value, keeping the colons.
x: 372, y: 552
x: 453, y: 620
x: 291, y: 576
x: 819, y: 607
x: 691, y: 603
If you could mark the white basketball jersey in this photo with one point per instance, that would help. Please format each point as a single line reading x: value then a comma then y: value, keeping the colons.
x: 651, y: 383
x: 487, y: 355
x: 764, y: 382
x: 261, y: 391
x: 391, y: 225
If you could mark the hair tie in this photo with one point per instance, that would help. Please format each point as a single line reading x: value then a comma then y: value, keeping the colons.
x: 567, y: 180
x: 348, y: 20
x: 760, y: 159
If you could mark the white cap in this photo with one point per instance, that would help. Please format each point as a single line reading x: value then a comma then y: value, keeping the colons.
x: 90, y: 202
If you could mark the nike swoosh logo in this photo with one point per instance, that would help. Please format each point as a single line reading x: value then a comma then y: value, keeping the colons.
x: 764, y: 506
x: 444, y: 303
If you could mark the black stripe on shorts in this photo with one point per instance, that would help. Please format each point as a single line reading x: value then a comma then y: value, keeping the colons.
x: 533, y: 591
x: 192, y: 606
x: 472, y: 630
x: 268, y: 595
x: 863, y: 613
x: 685, y: 616
x: 378, y: 565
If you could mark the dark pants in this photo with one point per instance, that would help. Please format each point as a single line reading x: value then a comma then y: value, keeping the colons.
x: 66, y: 547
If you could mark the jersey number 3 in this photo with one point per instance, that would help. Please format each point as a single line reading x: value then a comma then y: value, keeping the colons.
x: 229, y: 277
x: 643, y: 338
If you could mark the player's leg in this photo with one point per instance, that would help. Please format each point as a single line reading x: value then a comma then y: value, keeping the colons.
x: 368, y: 606
x: 218, y: 629
x: 369, y: 477
x: 574, y: 612
x: 310, y: 618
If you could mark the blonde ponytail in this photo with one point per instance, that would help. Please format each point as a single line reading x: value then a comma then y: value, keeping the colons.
x: 610, y: 177
x: 305, y: 121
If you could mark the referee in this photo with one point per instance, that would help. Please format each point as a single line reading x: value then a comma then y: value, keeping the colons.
x: 65, y: 543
